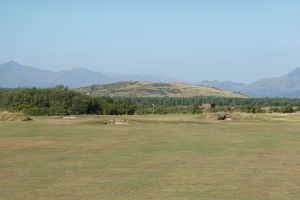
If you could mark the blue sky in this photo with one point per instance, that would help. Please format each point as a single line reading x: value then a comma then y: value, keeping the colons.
x: 188, y: 40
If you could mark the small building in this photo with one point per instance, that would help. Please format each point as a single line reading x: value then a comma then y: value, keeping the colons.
x: 207, y: 106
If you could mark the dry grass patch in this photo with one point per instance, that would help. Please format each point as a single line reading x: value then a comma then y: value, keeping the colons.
x: 12, y: 116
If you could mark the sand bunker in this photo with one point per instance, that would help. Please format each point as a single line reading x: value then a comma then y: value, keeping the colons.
x: 117, y: 122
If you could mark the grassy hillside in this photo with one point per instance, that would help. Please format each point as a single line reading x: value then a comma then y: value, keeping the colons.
x: 148, y: 89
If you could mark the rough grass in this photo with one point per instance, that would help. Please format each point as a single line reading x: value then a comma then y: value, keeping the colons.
x: 10, y: 116
x: 162, y: 157
x: 250, y: 117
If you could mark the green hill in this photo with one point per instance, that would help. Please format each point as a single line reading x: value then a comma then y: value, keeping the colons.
x: 154, y: 89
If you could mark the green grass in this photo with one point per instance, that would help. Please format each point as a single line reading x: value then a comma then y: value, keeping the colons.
x: 159, y: 157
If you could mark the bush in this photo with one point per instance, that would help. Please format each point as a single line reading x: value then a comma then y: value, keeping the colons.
x: 251, y: 109
x: 284, y: 109
x: 287, y: 109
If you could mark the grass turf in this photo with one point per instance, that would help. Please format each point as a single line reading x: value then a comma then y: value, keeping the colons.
x: 75, y: 159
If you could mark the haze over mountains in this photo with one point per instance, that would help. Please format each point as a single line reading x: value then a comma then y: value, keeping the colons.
x: 284, y: 86
x: 13, y: 74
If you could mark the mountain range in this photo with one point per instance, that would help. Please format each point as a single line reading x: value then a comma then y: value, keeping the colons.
x: 13, y: 74
x: 285, y: 86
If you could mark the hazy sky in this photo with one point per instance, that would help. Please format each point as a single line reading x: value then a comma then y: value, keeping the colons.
x: 241, y: 40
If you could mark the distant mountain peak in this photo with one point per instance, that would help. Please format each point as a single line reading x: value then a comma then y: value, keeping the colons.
x: 284, y: 86
x: 79, y: 69
x: 76, y: 69
x: 296, y: 70
x: 11, y: 62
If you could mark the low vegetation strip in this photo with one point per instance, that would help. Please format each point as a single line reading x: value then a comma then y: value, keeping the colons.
x: 63, y: 101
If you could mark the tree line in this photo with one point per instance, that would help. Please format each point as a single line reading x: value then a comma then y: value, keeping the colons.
x: 221, y: 101
x: 63, y: 101
x: 59, y: 101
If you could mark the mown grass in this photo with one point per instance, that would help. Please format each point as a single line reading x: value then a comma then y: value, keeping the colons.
x: 182, y: 157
